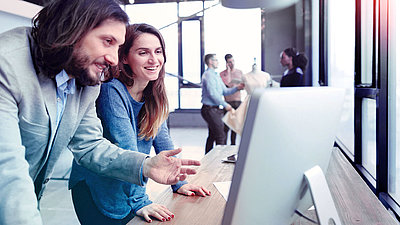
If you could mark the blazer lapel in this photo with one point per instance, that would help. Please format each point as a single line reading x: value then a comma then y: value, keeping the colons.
x: 66, y: 127
x: 68, y: 119
x: 49, y: 94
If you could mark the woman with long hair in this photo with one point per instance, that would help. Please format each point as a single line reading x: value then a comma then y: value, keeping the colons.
x: 296, y: 65
x: 133, y: 108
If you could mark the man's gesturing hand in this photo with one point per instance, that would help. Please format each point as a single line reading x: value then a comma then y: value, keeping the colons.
x: 165, y: 169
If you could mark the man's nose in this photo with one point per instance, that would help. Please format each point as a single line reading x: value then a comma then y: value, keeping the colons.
x: 112, y: 57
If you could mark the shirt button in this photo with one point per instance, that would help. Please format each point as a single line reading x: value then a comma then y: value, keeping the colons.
x: 46, y: 180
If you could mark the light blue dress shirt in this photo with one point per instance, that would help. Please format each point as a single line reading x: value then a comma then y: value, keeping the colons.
x: 65, y: 87
x: 213, y: 89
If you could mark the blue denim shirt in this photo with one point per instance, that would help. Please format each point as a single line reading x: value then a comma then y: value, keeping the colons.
x: 118, y: 112
x: 213, y: 89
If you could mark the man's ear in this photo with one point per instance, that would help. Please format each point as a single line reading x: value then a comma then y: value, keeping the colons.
x: 124, y: 60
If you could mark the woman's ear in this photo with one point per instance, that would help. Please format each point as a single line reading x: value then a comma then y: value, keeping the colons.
x: 124, y: 60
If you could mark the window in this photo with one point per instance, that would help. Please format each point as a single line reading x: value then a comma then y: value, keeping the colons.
x: 394, y: 101
x: 369, y: 135
x: 341, y: 30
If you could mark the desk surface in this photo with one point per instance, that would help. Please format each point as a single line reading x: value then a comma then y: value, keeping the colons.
x: 355, y: 202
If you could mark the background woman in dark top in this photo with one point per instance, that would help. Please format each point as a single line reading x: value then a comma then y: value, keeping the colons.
x: 296, y: 65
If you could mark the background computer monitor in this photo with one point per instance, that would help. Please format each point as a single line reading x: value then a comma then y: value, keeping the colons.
x: 287, y: 131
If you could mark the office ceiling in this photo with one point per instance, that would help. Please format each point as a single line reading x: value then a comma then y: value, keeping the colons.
x: 125, y: 2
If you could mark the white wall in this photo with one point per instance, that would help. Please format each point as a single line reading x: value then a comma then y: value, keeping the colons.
x: 280, y: 33
x: 16, y: 13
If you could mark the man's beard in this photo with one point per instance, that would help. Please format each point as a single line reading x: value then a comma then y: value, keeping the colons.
x: 78, y: 68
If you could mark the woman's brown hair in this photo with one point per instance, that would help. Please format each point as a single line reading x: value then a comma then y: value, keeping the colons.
x: 155, y: 109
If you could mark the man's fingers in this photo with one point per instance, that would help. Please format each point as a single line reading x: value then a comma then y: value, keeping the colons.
x: 182, y: 177
x: 189, y: 171
x: 190, y: 162
x: 172, y: 152
x: 177, y: 179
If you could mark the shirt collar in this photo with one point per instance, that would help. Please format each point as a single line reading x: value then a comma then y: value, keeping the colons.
x: 211, y: 69
x: 65, y: 83
x: 299, y: 70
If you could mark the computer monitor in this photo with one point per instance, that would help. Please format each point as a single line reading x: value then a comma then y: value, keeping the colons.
x: 287, y: 132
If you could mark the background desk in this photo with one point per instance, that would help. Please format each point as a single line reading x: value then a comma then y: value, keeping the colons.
x: 355, y: 202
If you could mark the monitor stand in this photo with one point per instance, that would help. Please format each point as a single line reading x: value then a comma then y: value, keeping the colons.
x: 321, y: 196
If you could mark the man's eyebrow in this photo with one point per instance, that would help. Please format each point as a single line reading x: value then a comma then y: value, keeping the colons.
x: 112, y: 37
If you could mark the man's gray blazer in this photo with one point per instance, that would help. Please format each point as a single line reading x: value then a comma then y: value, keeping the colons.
x: 28, y: 126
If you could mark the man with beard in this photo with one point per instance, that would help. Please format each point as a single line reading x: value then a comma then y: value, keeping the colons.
x: 49, y: 81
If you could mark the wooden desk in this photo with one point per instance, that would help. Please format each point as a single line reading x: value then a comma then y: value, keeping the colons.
x: 355, y: 202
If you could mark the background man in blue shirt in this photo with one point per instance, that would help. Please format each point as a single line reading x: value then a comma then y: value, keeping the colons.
x: 213, y: 90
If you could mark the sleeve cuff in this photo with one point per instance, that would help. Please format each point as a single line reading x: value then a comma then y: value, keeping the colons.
x: 145, y: 202
x: 143, y: 179
x: 178, y: 185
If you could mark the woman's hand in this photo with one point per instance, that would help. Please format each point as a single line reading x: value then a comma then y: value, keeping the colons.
x: 191, y: 190
x: 157, y: 211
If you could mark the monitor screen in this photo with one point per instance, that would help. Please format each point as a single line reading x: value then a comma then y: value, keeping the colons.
x: 287, y: 131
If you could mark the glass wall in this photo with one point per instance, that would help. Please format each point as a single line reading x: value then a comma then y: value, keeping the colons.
x: 367, y: 33
x: 369, y: 46
x: 394, y: 100
x: 369, y: 135
x: 191, y: 57
x: 341, y: 39
x: 145, y: 13
x: 235, y: 31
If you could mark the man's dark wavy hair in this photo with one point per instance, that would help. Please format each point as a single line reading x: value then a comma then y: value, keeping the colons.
x: 63, y: 23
